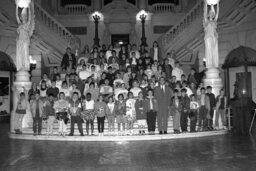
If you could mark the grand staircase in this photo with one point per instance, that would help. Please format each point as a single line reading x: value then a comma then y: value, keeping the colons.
x: 50, y: 37
x: 187, y: 35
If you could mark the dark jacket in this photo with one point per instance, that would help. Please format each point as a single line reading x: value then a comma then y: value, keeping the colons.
x: 140, y: 109
x: 65, y: 60
x: 212, y: 99
x: 185, y: 103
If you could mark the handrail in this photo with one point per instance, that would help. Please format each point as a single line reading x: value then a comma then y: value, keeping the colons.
x: 184, y: 23
x: 163, y: 7
x: 52, y: 24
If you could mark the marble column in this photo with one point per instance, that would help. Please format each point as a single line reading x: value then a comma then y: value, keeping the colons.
x: 97, y: 5
x: 213, y: 79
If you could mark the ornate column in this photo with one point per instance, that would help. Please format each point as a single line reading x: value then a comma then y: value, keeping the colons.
x: 25, y: 31
x: 211, y: 46
x: 97, y: 5
x: 143, y: 4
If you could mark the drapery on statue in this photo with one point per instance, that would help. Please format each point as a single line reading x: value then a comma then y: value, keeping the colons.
x: 211, y: 36
x: 25, y: 30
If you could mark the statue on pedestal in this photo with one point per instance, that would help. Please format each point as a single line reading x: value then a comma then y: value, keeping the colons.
x: 25, y: 30
x: 211, y: 36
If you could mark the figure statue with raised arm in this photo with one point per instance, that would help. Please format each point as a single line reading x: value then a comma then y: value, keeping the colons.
x: 211, y: 35
x: 25, y: 30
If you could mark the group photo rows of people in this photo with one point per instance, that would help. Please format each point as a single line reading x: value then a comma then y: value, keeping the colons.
x: 124, y: 86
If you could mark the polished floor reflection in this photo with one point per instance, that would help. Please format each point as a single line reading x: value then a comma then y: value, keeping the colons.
x: 218, y: 153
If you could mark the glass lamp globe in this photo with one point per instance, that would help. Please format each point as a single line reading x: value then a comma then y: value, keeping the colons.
x: 212, y: 2
x: 23, y: 3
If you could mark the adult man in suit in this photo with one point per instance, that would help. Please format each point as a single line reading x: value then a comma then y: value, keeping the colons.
x: 163, y: 95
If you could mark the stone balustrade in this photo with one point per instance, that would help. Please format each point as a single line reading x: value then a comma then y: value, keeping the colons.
x: 52, y: 24
x: 76, y: 9
x: 163, y: 8
x: 195, y: 13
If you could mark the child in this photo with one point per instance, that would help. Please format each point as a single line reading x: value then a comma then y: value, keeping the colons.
x: 50, y: 114
x: 185, y: 102
x: 110, y: 112
x: 176, y: 110
x: 204, y: 109
x: 100, y: 108
x: 193, y: 113
x: 151, y: 108
x: 89, y: 112
x: 120, y: 111
x: 60, y: 107
x: 130, y: 112
x: 141, y: 113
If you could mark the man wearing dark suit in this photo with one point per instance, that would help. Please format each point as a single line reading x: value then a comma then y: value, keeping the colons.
x: 163, y: 96
x: 67, y: 57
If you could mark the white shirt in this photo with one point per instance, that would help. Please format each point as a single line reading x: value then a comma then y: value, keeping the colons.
x: 155, y: 53
x: 111, y: 106
x: 89, y: 104
x: 177, y: 72
x: 135, y: 91
x: 58, y: 84
x: 130, y: 107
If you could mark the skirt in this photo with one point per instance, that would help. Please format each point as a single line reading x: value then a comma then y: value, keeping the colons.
x: 88, y: 114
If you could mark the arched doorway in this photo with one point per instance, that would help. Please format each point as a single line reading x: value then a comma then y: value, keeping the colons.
x: 7, y: 70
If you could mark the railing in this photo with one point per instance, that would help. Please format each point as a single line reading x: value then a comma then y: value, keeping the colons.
x: 53, y: 25
x: 163, y: 8
x: 76, y: 9
x: 195, y: 13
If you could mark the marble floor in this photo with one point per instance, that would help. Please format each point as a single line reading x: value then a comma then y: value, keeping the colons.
x: 223, y: 152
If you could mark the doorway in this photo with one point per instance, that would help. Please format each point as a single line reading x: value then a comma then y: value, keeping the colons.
x: 121, y: 39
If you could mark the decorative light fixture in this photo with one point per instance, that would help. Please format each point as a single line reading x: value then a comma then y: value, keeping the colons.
x: 32, y: 63
x: 142, y: 15
x: 212, y: 2
x: 96, y: 17
x: 23, y: 3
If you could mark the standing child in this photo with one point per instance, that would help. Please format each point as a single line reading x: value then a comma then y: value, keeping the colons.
x: 100, y: 108
x: 176, y: 111
x: 141, y: 113
x: 151, y: 108
x: 110, y: 112
x: 185, y: 102
x: 89, y: 112
x: 193, y: 113
x: 120, y: 111
x: 49, y: 112
x: 60, y: 107
x: 130, y: 113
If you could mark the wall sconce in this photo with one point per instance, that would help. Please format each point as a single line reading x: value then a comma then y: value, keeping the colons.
x: 32, y: 64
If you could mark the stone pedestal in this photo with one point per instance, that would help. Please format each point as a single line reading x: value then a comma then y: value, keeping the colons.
x: 213, y: 79
x: 22, y: 82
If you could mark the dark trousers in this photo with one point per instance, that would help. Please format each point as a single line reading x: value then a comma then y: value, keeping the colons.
x: 162, y: 120
x: 91, y: 122
x: 193, y: 120
x: 210, y: 121
x: 37, y: 124
x: 100, y: 121
x: 151, y: 121
x: 184, y: 121
x: 202, y: 117
x: 78, y: 120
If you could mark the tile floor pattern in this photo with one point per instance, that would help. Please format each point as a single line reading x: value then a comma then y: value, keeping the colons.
x: 225, y: 152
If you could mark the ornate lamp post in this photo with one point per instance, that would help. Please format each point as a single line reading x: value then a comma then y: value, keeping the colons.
x: 96, y: 17
x: 143, y: 16
x: 211, y: 46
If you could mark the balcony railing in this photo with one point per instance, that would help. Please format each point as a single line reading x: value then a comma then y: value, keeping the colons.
x: 76, y: 9
x: 163, y: 8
